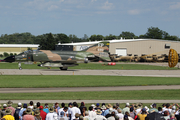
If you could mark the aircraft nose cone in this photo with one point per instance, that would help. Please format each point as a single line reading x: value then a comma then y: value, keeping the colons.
x: 10, y: 59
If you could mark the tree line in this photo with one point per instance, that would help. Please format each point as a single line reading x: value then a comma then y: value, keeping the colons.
x: 48, y: 41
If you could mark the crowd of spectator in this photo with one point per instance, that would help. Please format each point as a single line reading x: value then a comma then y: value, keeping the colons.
x: 35, y: 111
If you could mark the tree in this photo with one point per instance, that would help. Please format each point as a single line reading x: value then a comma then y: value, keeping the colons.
x: 127, y: 35
x: 93, y: 37
x: 47, y: 43
x: 73, y: 38
x: 62, y: 38
x: 5, y: 54
x: 110, y: 37
x: 85, y: 38
x: 154, y: 33
x: 99, y: 37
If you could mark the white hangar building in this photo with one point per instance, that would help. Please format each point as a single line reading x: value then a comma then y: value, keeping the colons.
x: 133, y: 47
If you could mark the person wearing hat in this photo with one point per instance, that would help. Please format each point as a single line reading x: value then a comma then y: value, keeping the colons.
x: 126, y: 109
x: 153, y: 108
x: 86, y: 117
x: 138, y: 107
x: 8, y: 115
x: 117, y: 105
x: 22, y: 110
x: 37, y: 115
x: 142, y: 115
x: 99, y: 116
x: 120, y: 115
x: 4, y: 108
x: 103, y: 108
x: 42, y: 113
x: 69, y: 110
x: 9, y: 104
x: 28, y: 115
x: 107, y: 110
x: 49, y: 116
x: 97, y: 106
x: 16, y: 114
x: 76, y: 116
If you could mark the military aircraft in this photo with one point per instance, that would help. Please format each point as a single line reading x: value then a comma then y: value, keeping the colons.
x: 62, y: 59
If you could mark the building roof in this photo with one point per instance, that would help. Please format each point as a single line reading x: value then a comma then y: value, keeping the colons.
x: 114, y: 41
x: 20, y: 45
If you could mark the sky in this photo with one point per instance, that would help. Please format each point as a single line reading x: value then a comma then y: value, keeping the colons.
x: 89, y: 17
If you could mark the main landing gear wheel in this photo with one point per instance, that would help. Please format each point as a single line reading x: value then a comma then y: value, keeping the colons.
x: 63, y: 68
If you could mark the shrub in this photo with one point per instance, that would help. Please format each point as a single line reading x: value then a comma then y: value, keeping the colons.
x: 5, y: 54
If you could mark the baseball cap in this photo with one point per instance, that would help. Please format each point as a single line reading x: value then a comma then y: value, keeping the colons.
x: 4, y: 105
x: 41, y: 107
x: 127, y: 104
x: 19, y: 104
x: 144, y: 110
x: 25, y: 105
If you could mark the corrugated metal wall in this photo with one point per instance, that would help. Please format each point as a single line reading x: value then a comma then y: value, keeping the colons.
x: 145, y: 47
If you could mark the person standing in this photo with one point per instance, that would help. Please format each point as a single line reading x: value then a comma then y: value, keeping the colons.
x: 142, y: 115
x: 30, y: 105
x: 126, y: 109
x: 46, y: 108
x: 75, y: 110
x: 42, y: 113
x: 8, y: 115
x: 22, y: 110
x: 37, y: 115
x: 153, y: 108
x: 28, y: 115
x: 51, y: 113
x: 9, y: 104
x: 99, y: 116
x: 16, y: 114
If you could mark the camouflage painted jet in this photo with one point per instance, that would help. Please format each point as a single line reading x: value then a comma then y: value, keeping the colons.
x: 62, y: 59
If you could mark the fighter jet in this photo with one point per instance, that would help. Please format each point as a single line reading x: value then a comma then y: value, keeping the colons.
x: 62, y: 59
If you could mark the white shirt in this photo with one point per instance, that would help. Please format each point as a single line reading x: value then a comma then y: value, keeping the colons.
x: 74, y: 110
x: 100, y: 117
x: 92, y: 115
x: 49, y: 116
x: 59, y: 111
x: 120, y: 115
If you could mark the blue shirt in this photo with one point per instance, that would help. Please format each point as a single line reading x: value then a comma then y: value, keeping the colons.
x: 21, y: 113
x: 46, y: 110
x: 106, y: 112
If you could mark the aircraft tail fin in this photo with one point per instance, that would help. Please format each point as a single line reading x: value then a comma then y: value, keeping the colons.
x: 100, y: 50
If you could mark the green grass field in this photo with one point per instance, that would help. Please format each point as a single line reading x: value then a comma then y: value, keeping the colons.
x: 48, y: 81
x: 96, y: 95
x: 100, y: 66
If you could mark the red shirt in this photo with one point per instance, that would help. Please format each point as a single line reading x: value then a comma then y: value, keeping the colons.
x: 43, y: 114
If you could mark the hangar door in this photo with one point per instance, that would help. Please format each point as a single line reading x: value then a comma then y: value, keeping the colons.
x: 121, y: 51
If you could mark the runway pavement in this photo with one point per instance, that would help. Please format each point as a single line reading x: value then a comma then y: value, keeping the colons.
x: 151, y: 73
x: 93, y: 101
x: 80, y: 89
